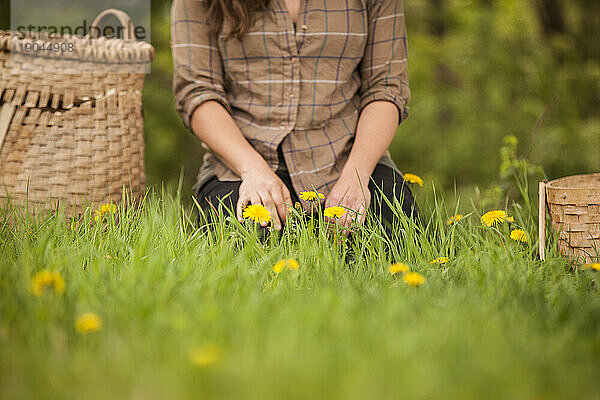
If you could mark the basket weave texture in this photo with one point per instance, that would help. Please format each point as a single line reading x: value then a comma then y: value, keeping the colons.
x: 574, y: 206
x: 71, y: 128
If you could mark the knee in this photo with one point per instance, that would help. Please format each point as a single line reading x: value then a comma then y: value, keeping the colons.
x: 388, y: 191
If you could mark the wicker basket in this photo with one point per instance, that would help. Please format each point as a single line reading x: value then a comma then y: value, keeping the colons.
x: 71, y: 125
x: 573, y: 203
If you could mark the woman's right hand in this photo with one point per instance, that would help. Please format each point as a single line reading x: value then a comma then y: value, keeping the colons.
x: 263, y: 186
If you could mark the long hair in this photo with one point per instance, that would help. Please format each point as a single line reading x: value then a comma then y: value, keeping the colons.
x: 240, y: 13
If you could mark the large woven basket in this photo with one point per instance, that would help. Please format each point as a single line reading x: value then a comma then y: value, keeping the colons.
x: 573, y: 203
x: 71, y: 126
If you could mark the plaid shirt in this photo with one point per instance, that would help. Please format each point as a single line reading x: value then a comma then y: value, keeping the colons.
x: 302, y: 89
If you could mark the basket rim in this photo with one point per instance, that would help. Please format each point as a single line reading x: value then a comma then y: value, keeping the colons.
x: 111, y: 50
x: 560, y: 183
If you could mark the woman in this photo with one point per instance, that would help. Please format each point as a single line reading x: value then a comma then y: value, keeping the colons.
x: 291, y: 96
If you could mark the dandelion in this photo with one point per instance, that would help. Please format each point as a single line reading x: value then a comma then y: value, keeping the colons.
x: 510, y: 140
x: 519, y: 235
x: 454, y: 220
x: 494, y: 217
x: 397, y: 268
x: 205, y: 355
x: 290, y: 263
x: 46, y: 280
x: 412, y: 178
x: 440, y: 260
x: 334, y: 212
x: 414, y: 279
x: 257, y: 213
x: 594, y: 266
x: 510, y: 219
x: 311, y: 195
x: 88, y: 322
x: 104, y: 209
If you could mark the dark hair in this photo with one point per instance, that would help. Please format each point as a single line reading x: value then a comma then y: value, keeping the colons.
x: 240, y: 13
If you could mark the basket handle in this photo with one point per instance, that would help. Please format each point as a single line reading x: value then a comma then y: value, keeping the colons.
x: 542, y: 220
x: 124, y: 19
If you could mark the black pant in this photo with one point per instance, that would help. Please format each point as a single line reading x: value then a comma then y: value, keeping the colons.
x: 385, y: 178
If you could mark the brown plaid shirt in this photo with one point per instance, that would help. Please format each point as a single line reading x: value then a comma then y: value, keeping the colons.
x: 299, y: 88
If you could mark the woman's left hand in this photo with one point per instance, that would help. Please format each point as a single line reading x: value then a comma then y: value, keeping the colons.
x: 350, y: 192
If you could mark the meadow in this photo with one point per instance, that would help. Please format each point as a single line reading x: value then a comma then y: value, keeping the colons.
x: 137, y: 303
x: 140, y: 304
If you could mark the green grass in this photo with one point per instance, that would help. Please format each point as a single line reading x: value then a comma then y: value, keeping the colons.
x: 496, y: 323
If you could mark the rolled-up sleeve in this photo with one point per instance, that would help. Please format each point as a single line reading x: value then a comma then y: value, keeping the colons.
x: 383, y: 68
x: 197, y: 64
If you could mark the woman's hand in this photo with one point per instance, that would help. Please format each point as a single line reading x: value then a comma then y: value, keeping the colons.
x: 375, y: 130
x: 263, y: 186
x: 350, y: 191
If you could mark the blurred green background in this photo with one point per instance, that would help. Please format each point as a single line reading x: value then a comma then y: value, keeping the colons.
x: 479, y: 70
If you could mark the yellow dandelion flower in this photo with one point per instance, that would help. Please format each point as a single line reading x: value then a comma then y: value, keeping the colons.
x: 205, y: 355
x: 46, y: 280
x: 104, y: 209
x: 278, y: 267
x: 289, y: 263
x: 334, y: 212
x: 311, y: 195
x: 440, y: 260
x: 454, y: 220
x: 397, y: 268
x: 257, y: 213
x: 519, y: 235
x: 88, y: 322
x: 511, y: 140
x: 412, y: 178
x: 493, y: 217
x: 414, y: 279
x: 594, y: 266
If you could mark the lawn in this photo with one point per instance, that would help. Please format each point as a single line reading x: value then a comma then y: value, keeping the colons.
x: 181, y: 313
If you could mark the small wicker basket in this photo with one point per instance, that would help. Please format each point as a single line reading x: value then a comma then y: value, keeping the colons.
x: 573, y: 203
x: 71, y: 125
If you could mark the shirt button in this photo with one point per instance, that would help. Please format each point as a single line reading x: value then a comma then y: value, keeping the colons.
x: 304, y: 27
x: 291, y: 94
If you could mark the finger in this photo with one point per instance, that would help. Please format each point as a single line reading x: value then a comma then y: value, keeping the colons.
x: 255, y: 199
x: 280, y: 205
x: 363, y: 214
x: 287, y: 200
x: 275, y: 220
x: 346, y: 220
x: 353, y: 212
x: 347, y: 216
x: 241, y: 204
x: 331, y: 201
x: 269, y: 204
x: 360, y: 219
